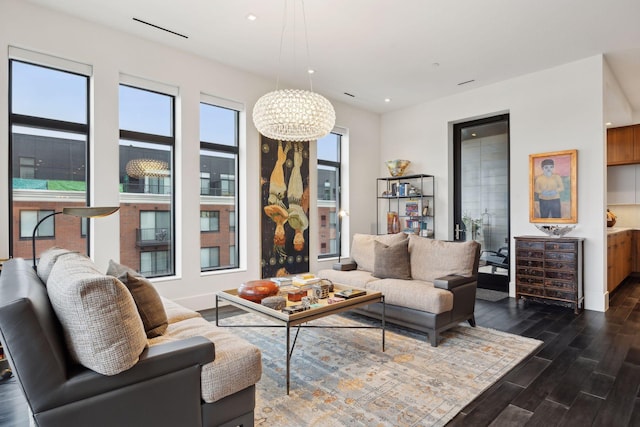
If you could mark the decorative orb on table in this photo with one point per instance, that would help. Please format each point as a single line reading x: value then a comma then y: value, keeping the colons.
x: 555, y: 230
x: 257, y: 290
x: 397, y: 167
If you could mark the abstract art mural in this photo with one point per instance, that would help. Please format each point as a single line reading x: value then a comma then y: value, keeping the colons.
x: 284, y: 180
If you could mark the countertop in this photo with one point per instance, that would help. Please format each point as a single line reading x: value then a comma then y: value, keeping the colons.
x: 614, y: 230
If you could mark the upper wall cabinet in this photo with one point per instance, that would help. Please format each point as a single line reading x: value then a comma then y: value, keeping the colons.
x: 623, y: 145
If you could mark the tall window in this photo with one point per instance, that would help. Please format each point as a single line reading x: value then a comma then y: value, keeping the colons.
x: 147, y: 140
x: 218, y: 186
x: 49, y: 123
x: 329, y: 194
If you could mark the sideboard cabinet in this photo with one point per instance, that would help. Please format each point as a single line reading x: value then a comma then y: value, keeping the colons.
x: 550, y: 270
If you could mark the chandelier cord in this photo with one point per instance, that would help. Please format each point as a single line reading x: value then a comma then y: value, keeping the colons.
x: 284, y: 26
x: 306, y: 40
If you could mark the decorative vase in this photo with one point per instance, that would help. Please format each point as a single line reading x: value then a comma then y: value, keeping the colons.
x: 257, y: 290
x: 397, y: 167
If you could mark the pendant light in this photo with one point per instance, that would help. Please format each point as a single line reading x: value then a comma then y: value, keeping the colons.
x: 294, y: 114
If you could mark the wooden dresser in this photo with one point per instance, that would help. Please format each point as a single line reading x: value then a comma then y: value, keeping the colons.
x: 550, y: 269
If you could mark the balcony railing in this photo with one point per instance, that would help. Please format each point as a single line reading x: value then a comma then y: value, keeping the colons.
x: 153, y: 237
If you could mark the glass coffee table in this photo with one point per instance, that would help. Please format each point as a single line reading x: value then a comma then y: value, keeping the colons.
x: 316, y: 311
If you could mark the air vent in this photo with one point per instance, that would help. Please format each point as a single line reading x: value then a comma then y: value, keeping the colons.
x: 467, y: 82
x: 348, y: 94
x: 159, y: 27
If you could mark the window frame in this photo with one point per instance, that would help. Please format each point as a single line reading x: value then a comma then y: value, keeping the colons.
x: 14, y: 119
x: 338, y: 167
x: 229, y: 150
x: 167, y: 141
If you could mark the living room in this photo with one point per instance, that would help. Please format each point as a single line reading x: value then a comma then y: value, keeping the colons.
x: 562, y: 106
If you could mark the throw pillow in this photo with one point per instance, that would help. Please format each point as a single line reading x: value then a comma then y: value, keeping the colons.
x: 47, y: 259
x: 445, y: 258
x: 392, y: 262
x: 146, y: 297
x: 101, y: 325
x: 362, y: 247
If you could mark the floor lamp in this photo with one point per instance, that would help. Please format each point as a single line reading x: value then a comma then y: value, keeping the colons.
x: 83, y: 212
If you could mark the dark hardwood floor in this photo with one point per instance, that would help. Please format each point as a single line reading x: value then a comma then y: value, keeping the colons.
x: 587, y: 372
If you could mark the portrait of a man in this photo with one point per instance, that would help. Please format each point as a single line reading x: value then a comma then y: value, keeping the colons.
x: 553, y: 187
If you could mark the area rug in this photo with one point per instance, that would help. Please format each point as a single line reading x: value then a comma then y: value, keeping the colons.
x: 490, y: 295
x: 340, y: 377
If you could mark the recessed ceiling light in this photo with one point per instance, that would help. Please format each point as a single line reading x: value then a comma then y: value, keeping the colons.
x: 387, y: 100
x: 251, y: 17
x: 311, y: 71
x: 608, y: 124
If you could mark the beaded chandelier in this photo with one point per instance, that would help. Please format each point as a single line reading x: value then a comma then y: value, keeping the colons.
x: 294, y: 114
x: 140, y: 168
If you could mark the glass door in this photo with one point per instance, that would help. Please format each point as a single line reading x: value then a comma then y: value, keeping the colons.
x: 481, y: 207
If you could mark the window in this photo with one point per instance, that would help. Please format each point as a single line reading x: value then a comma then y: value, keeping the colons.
x: 155, y: 226
x: 28, y: 221
x: 209, y: 221
x: 329, y: 193
x: 218, y: 185
x: 209, y: 258
x: 27, y: 167
x: 49, y: 134
x: 147, y: 144
x: 156, y: 263
x: 232, y: 221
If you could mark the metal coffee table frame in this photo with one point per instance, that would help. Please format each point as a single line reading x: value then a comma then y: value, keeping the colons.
x: 298, y: 319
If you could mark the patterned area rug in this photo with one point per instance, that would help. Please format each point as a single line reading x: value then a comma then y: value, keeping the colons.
x: 340, y: 377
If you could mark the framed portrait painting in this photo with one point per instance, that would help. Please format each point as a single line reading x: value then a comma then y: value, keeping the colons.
x: 553, y: 185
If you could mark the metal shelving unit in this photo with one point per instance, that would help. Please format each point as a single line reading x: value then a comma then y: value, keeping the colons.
x: 406, y: 203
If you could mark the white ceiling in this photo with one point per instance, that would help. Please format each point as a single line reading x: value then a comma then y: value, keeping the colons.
x: 411, y: 51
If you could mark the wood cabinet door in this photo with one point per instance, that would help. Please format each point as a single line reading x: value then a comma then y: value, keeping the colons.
x: 620, y: 146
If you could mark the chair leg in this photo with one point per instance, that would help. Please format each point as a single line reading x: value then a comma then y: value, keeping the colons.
x: 472, y: 321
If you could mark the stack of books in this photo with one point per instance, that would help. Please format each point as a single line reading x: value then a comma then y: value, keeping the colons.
x: 305, y: 281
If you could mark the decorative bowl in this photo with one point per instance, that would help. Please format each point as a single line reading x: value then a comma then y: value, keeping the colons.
x: 397, y: 167
x: 555, y: 230
x: 257, y: 290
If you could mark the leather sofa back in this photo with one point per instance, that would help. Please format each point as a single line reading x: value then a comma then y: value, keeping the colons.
x: 31, y: 334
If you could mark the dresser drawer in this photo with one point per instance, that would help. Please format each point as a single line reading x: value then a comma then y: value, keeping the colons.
x: 524, y: 262
x: 528, y: 280
x: 528, y: 271
x: 527, y: 253
x: 552, y: 293
x: 520, y: 244
x: 531, y: 290
x: 561, y: 256
x: 563, y: 275
x: 560, y: 246
x: 562, y: 285
x: 560, y: 265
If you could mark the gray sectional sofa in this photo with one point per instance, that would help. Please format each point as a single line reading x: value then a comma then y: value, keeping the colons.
x: 86, y: 353
x: 429, y: 285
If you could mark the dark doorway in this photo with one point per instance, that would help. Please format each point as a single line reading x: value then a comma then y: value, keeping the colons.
x: 481, y: 194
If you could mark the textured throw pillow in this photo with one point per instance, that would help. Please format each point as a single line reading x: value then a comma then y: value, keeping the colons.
x: 432, y: 258
x: 392, y: 262
x: 362, y: 248
x: 146, y: 297
x: 101, y: 325
x: 47, y: 259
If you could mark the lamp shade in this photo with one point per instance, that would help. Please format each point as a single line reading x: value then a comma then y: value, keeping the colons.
x: 293, y: 115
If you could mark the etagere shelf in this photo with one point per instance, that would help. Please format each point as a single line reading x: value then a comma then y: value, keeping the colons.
x: 406, y: 203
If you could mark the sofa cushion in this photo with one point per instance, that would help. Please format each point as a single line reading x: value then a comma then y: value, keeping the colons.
x: 238, y: 363
x: 47, y: 259
x: 415, y: 294
x: 99, y: 318
x: 146, y: 297
x: 175, y: 312
x: 431, y: 258
x: 353, y: 278
x: 362, y: 248
x: 392, y: 262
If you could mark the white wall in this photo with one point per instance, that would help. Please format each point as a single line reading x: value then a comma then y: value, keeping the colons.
x: 111, y: 53
x: 555, y: 109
